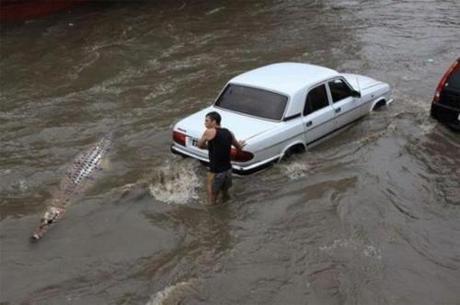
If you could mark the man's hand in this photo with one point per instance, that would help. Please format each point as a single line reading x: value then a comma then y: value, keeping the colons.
x: 238, y: 144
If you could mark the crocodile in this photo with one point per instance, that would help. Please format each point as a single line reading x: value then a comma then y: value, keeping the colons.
x: 75, y: 181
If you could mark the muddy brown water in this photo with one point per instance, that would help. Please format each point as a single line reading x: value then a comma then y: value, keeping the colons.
x: 370, y: 216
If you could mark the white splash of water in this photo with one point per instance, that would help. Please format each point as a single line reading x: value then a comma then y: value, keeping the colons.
x: 173, y: 294
x: 296, y: 169
x: 175, y: 183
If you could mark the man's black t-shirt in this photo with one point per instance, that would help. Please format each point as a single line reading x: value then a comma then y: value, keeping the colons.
x: 219, y: 151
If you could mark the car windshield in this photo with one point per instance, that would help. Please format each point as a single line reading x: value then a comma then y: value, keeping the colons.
x: 252, y: 101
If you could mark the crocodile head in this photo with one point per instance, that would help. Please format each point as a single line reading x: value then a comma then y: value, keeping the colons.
x: 51, y: 215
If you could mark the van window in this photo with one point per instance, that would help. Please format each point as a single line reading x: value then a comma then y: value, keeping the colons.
x: 339, y: 90
x: 252, y: 101
x: 316, y: 99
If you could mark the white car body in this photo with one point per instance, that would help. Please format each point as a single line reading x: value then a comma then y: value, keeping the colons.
x: 291, y: 84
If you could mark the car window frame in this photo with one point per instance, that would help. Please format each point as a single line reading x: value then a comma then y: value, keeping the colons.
x: 328, y: 94
x: 346, y: 83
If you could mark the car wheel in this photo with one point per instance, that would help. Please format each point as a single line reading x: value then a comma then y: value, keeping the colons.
x: 379, y: 105
x: 298, y: 148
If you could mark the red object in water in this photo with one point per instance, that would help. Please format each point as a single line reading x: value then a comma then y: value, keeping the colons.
x: 20, y: 10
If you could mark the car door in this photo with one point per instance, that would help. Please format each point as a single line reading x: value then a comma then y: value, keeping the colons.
x: 318, y: 114
x: 346, y: 107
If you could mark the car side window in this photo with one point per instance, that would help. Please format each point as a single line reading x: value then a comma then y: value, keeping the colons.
x: 339, y: 90
x: 316, y: 99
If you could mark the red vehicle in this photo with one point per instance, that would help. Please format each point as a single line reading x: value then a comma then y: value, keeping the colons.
x: 21, y: 10
x: 446, y: 101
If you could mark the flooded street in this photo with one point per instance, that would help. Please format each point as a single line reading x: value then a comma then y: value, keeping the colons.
x: 370, y: 216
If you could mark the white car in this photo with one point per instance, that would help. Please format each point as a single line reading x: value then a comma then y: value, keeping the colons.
x: 282, y: 108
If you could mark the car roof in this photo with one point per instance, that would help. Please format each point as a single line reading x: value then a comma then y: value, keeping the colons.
x: 287, y: 78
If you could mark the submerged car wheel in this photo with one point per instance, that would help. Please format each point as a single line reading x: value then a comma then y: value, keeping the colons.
x: 296, y: 149
x: 379, y: 105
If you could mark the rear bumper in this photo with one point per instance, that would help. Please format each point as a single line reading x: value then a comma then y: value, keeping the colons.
x: 237, y: 169
x: 446, y: 115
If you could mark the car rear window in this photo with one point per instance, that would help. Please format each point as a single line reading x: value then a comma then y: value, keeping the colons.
x: 252, y: 101
x: 454, y: 80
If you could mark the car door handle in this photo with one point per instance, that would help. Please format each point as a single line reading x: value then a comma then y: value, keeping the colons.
x: 337, y: 110
x: 309, y: 123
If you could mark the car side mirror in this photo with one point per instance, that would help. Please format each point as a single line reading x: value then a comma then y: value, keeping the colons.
x: 355, y: 93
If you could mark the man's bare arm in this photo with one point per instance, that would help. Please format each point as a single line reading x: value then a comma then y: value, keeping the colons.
x: 208, y: 135
x: 202, y: 142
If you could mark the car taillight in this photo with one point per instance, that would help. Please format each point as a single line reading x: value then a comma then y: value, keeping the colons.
x: 240, y: 155
x: 179, y: 137
x: 454, y: 67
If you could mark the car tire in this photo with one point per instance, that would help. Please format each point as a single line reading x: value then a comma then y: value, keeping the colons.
x: 379, y: 105
x: 298, y: 148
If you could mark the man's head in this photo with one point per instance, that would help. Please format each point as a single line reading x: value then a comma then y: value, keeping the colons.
x: 212, y: 119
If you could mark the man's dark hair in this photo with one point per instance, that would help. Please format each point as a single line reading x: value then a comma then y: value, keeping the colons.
x: 215, y: 116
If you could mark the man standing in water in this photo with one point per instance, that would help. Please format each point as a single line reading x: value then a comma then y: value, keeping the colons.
x: 219, y: 142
